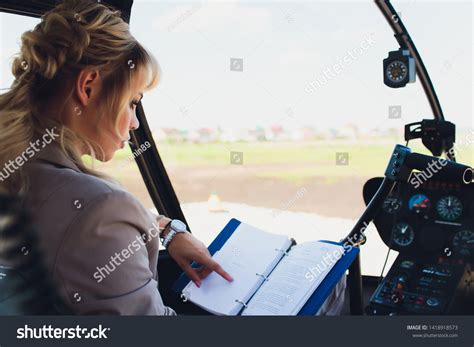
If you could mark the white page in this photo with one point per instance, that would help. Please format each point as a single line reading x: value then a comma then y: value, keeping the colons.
x: 248, y: 251
x: 292, y: 282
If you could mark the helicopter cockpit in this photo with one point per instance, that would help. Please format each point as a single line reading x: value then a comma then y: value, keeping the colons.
x: 282, y: 114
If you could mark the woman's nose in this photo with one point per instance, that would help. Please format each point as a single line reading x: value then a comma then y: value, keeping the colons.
x: 134, y: 124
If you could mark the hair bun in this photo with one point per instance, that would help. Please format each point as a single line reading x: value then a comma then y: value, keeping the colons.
x: 59, y: 39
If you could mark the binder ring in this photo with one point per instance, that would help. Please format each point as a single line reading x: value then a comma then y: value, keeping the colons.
x: 282, y: 251
x: 263, y: 276
x: 241, y: 302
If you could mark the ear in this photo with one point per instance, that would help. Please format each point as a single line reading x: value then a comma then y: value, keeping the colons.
x: 87, y: 85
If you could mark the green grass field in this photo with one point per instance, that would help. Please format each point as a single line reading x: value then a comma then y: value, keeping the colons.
x: 290, y: 161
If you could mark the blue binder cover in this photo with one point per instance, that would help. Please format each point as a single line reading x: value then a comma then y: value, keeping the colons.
x: 320, y: 295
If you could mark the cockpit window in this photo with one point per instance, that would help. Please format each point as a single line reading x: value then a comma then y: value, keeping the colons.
x: 276, y: 113
x: 11, y: 28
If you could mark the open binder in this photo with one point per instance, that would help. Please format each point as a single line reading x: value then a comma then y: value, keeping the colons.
x: 318, y: 297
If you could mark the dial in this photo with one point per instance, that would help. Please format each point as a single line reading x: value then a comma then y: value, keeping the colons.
x: 403, y: 234
x: 392, y: 205
x: 463, y: 243
x: 397, y: 71
x: 419, y: 203
x: 450, y: 208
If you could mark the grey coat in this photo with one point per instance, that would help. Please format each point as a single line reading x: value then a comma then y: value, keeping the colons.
x: 100, y: 243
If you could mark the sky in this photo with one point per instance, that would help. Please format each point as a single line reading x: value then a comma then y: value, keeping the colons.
x: 283, y: 50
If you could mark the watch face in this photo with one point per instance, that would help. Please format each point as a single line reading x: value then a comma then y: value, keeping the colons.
x: 178, y: 225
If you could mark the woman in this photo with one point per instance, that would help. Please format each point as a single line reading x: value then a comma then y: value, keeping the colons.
x: 78, y: 80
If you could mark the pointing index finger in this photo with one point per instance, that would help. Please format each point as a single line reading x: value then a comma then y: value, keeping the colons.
x: 214, y: 266
x: 217, y: 268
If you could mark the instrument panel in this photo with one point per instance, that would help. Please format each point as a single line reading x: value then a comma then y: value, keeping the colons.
x: 417, y: 287
x: 432, y: 227
x: 433, y: 219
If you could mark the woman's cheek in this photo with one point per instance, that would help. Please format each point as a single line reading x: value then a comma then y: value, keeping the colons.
x: 128, y: 120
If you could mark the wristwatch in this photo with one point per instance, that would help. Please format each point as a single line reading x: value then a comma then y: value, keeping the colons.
x: 176, y: 226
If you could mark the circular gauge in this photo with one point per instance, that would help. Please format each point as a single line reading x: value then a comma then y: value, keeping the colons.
x: 403, y: 234
x: 450, y: 208
x: 419, y: 203
x: 392, y: 205
x: 397, y: 71
x: 463, y: 243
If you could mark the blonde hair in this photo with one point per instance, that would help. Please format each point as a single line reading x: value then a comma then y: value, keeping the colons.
x: 75, y: 35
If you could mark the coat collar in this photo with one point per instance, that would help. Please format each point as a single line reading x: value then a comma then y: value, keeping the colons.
x: 52, y: 153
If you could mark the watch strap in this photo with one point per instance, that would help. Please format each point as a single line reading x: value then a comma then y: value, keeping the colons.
x: 166, y: 241
x: 163, y: 230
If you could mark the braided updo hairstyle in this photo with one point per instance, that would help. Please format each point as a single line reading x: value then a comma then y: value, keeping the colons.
x: 75, y: 35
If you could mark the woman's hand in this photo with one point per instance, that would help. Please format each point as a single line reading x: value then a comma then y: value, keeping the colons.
x: 185, y: 248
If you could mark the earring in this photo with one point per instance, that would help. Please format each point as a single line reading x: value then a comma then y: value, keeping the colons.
x: 77, y: 110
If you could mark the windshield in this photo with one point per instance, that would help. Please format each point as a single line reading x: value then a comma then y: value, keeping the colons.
x: 276, y: 113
